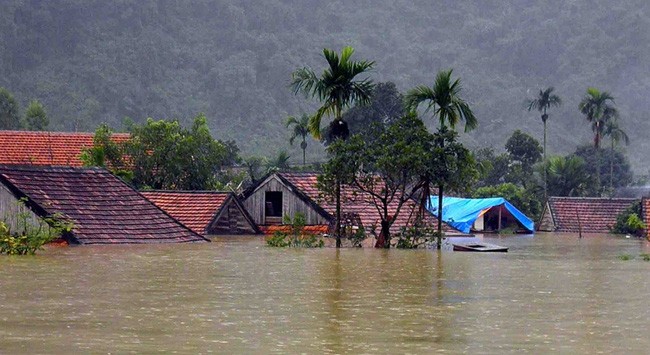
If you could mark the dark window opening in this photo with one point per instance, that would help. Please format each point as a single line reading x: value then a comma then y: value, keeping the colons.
x: 273, y: 204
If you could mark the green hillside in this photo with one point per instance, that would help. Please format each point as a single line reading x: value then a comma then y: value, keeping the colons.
x: 99, y: 61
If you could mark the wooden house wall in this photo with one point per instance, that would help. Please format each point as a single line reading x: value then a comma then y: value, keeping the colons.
x: 11, y: 208
x: 291, y: 204
x: 546, y: 223
x: 231, y: 221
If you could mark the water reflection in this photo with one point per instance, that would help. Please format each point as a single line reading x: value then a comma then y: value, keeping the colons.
x: 549, y: 293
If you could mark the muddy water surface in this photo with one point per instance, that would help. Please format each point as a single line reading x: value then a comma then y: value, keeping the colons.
x: 549, y: 293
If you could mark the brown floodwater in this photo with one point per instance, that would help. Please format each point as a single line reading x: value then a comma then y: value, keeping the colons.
x: 549, y: 293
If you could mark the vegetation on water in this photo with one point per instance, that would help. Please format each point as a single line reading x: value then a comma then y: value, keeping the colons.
x: 30, y: 235
x: 296, y: 237
x: 630, y: 221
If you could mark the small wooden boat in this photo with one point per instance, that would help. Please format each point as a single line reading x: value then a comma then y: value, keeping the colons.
x: 480, y: 247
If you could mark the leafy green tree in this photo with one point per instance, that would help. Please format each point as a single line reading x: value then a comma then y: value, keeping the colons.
x: 337, y: 88
x: 492, y: 168
x: 544, y: 100
x: 254, y: 167
x: 278, y: 162
x: 616, y: 135
x: 567, y: 176
x: 300, y: 128
x: 9, y: 118
x: 598, y: 108
x: 616, y: 160
x: 445, y: 101
x: 524, y: 151
x: 36, y: 117
x: 165, y: 155
x: 386, y: 106
x: 387, y: 169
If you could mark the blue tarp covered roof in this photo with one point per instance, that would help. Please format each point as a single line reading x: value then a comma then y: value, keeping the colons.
x: 461, y: 213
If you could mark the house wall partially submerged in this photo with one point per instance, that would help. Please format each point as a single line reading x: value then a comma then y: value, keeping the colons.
x: 291, y: 204
x: 232, y: 219
x: 12, y: 210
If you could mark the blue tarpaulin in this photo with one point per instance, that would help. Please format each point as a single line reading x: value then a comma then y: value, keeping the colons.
x: 461, y: 213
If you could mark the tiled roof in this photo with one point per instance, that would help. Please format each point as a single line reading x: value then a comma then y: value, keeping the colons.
x: 597, y: 215
x: 47, y: 148
x: 645, y: 208
x: 103, y: 209
x: 195, y: 209
x: 355, y: 201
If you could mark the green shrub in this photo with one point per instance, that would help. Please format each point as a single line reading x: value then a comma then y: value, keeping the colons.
x: 625, y: 257
x: 645, y: 257
x: 630, y: 221
x: 296, y: 236
x: 415, y: 236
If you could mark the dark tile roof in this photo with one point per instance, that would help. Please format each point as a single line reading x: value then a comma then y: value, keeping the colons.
x: 102, y: 207
x: 47, y: 148
x: 195, y: 209
x: 355, y: 201
x: 597, y: 215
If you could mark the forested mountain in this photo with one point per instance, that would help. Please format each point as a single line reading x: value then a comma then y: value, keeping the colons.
x: 99, y: 61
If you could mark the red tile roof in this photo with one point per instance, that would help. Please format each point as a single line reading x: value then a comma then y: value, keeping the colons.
x: 195, y: 209
x: 102, y: 207
x: 597, y: 215
x: 47, y: 148
x: 355, y: 201
x: 645, y: 208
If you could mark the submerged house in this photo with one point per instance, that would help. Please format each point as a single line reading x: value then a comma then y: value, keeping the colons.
x: 481, y: 214
x: 589, y: 214
x: 205, y: 212
x: 47, y: 148
x: 102, y: 208
x: 284, y: 194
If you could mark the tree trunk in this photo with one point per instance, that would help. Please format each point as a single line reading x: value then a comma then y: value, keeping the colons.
x: 338, y: 213
x: 611, y: 171
x: 544, y: 118
x: 439, y: 236
x: 383, y: 240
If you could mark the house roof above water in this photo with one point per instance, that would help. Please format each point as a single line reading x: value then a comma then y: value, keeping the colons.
x: 354, y: 201
x: 47, y: 148
x: 198, y: 209
x: 103, y: 209
x: 591, y: 214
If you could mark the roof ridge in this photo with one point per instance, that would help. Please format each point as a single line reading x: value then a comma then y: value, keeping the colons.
x: 31, y: 167
x: 189, y: 191
x: 57, y: 133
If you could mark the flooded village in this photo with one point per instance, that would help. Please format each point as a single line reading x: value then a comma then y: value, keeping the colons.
x: 287, y: 177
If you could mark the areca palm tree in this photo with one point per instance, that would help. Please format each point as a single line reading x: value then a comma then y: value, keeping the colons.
x: 597, y: 106
x: 300, y: 129
x: 445, y: 101
x: 616, y: 135
x: 447, y: 105
x: 544, y: 100
x: 338, y: 87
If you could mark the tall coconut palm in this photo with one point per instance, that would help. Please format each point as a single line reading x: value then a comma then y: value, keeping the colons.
x: 338, y: 87
x: 544, y: 100
x: 616, y: 135
x: 447, y: 105
x: 300, y: 129
x: 597, y: 106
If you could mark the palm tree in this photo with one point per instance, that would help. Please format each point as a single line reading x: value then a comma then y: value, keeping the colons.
x: 616, y: 134
x: 337, y: 88
x: 598, y: 109
x: 541, y: 103
x: 567, y: 175
x: 445, y: 101
x: 300, y: 129
x: 278, y: 162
